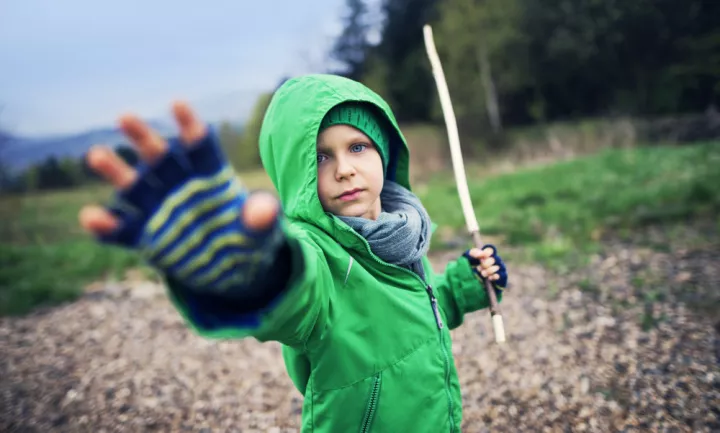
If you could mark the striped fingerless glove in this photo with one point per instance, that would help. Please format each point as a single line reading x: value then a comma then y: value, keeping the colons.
x: 184, y: 215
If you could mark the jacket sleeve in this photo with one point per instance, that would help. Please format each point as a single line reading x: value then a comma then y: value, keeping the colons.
x: 460, y: 292
x: 226, y: 280
x: 294, y: 299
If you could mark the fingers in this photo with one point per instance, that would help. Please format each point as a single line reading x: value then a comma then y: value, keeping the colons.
x: 259, y: 211
x: 191, y: 128
x: 481, y: 254
x: 111, y: 167
x: 151, y: 146
x: 475, y: 253
x: 489, y: 272
x: 97, y: 220
x: 484, y: 256
x: 487, y: 267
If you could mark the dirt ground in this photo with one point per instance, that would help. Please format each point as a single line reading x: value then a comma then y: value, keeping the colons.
x: 629, y: 344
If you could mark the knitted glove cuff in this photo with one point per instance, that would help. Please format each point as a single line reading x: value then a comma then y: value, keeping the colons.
x: 502, y: 272
x: 184, y: 214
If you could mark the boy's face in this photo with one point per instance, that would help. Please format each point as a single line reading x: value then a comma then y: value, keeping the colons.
x: 350, y: 172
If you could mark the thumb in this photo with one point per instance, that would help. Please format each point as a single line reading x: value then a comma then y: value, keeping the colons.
x: 260, y: 211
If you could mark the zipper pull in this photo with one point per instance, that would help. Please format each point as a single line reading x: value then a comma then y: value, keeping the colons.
x: 436, y: 311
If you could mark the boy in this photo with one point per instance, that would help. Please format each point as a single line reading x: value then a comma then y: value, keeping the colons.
x: 339, y: 275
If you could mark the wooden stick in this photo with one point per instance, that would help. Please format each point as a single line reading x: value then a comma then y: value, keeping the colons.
x: 460, y: 179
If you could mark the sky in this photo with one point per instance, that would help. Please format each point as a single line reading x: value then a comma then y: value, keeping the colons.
x: 76, y: 64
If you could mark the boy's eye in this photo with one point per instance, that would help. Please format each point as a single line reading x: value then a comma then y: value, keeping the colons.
x: 320, y: 158
x: 358, y: 147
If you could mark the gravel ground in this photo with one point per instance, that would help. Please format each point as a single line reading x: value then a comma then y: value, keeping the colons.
x: 630, y: 343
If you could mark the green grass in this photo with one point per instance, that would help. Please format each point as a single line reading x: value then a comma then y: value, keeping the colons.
x: 36, y: 275
x: 556, y: 211
x: 46, y: 258
x: 553, y: 213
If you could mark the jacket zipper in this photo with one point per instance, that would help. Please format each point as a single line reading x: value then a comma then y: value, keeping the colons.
x: 446, y: 357
x: 434, y: 303
x: 438, y: 322
x: 372, y: 404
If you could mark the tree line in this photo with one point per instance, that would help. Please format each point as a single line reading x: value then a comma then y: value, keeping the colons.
x: 507, y: 62
x: 519, y: 62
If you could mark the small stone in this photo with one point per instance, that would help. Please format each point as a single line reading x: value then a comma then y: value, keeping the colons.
x: 114, y: 290
x: 145, y: 290
x: 70, y: 396
x: 584, y: 385
x: 606, y: 322
x: 683, y: 277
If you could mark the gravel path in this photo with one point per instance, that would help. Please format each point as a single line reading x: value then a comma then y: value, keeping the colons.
x: 623, y: 345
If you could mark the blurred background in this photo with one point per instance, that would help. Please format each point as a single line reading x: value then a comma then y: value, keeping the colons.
x: 590, y: 131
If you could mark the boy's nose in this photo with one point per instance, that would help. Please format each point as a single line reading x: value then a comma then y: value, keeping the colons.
x: 344, y: 169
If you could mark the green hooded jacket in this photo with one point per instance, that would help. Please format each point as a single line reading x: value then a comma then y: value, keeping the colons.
x: 363, y: 340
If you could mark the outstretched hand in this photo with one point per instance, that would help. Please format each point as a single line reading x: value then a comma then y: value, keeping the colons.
x: 184, y: 209
x: 258, y: 213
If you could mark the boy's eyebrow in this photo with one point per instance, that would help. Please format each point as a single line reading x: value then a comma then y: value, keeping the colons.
x: 320, y: 147
x: 352, y: 139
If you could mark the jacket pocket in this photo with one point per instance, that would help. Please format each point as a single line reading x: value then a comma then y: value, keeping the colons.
x: 372, y: 403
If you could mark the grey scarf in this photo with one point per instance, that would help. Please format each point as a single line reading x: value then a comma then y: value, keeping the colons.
x: 401, y: 234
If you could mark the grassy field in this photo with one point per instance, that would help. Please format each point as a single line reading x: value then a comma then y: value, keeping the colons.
x: 551, y: 212
x: 558, y: 210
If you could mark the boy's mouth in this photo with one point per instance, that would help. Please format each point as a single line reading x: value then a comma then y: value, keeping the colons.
x: 350, y: 194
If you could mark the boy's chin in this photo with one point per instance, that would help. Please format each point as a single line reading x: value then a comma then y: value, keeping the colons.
x: 357, y: 210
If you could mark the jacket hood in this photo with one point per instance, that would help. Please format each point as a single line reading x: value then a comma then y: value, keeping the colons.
x: 288, y: 142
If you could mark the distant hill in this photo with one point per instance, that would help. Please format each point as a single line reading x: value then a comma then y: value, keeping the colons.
x: 20, y: 152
